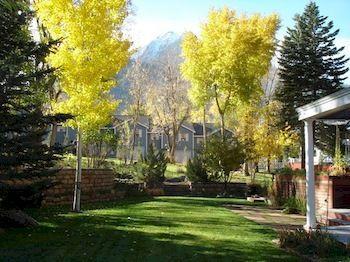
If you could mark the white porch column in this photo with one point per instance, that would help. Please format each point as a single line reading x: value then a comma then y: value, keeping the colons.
x: 310, y: 175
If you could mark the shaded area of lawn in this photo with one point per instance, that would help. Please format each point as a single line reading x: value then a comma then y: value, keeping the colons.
x: 159, y: 229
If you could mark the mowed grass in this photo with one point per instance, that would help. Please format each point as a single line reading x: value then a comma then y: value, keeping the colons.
x: 175, y: 170
x: 158, y: 229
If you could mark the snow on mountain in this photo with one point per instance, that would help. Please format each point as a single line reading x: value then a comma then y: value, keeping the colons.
x: 159, y: 46
x: 164, y: 46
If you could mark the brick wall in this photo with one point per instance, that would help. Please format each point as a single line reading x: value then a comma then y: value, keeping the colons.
x: 97, y: 185
x: 214, y: 189
x: 330, y: 191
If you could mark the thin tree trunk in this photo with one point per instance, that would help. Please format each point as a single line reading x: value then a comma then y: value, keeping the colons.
x: 53, y: 134
x: 337, y: 138
x: 246, y: 169
x: 303, y: 155
x: 77, y: 185
x: 222, y: 126
x: 204, y: 128
x: 302, y: 149
x: 256, y: 167
x: 172, y: 149
x: 268, y: 165
x: 133, y: 142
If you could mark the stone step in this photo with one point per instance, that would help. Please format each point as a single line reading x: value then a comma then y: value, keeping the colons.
x: 341, y: 233
x: 339, y: 214
x: 338, y: 222
x: 343, y: 216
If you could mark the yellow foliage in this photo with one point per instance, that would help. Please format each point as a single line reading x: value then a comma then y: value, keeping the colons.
x: 232, y: 53
x: 270, y: 140
x: 91, y: 52
x: 256, y: 127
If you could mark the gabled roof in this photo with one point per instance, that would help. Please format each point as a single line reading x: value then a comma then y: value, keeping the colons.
x: 211, y: 128
x: 333, y: 106
x: 143, y: 120
x: 188, y: 126
x: 198, y: 127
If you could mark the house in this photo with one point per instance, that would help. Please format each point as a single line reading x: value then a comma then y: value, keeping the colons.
x: 189, y: 139
x: 124, y: 124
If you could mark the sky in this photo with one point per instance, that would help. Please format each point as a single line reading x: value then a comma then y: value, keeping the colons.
x: 152, y: 18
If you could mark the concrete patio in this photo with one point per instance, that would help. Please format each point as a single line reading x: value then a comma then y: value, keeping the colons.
x: 278, y: 220
x: 341, y: 233
x: 270, y: 217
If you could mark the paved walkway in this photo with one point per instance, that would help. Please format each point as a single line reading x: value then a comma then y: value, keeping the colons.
x: 270, y: 217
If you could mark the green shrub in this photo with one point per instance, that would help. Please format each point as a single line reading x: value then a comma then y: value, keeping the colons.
x: 290, y: 171
x: 124, y: 171
x: 196, y: 170
x: 294, y: 205
x: 152, y: 168
x: 221, y: 157
x: 256, y: 189
x: 313, y: 243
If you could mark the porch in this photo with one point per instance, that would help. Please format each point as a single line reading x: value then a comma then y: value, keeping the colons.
x: 333, y: 109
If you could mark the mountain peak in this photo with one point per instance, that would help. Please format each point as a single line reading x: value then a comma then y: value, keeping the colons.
x: 168, y: 36
x: 160, y: 45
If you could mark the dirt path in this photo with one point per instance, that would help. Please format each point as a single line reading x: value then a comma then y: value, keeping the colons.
x: 270, y: 217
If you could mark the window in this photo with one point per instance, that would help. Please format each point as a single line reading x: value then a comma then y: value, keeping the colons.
x: 138, y: 133
x: 155, y: 136
x: 61, y: 129
x: 183, y: 137
x: 199, y: 140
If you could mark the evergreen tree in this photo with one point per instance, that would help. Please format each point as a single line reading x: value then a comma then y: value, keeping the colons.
x: 23, y: 126
x: 311, y: 67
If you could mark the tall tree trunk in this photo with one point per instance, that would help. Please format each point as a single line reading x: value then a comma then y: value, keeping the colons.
x: 222, y: 126
x: 77, y: 185
x: 133, y: 142
x: 303, y: 155
x: 245, y: 168
x: 337, y: 138
x: 172, y: 149
x: 256, y: 164
x: 204, y: 127
x: 302, y: 149
x: 53, y: 134
x: 268, y: 165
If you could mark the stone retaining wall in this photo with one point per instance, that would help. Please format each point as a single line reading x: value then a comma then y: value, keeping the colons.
x: 97, y: 185
x: 213, y: 189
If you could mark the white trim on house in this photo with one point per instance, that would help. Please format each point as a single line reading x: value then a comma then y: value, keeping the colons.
x: 218, y: 130
x: 192, y: 130
x: 333, y: 103
x: 327, y: 105
x: 129, y: 120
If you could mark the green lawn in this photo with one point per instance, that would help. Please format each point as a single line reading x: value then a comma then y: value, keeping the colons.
x: 159, y: 229
x: 175, y: 170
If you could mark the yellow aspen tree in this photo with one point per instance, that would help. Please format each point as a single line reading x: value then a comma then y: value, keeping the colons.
x: 92, y: 51
x: 226, y: 62
x: 270, y: 141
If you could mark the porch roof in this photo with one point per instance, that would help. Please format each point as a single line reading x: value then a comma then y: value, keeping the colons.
x: 334, y: 106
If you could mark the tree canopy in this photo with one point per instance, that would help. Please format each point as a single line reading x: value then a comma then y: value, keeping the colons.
x: 228, y: 59
x: 92, y: 51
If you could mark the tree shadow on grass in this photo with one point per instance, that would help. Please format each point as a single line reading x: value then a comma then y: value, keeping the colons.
x: 127, y: 232
x: 104, y: 244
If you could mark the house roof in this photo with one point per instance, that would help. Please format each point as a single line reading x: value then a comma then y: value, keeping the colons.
x: 333, y: 106
x: 143, y: 120
x: 189, y: 126
x: 198, y: 127
x: 211, y: 128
